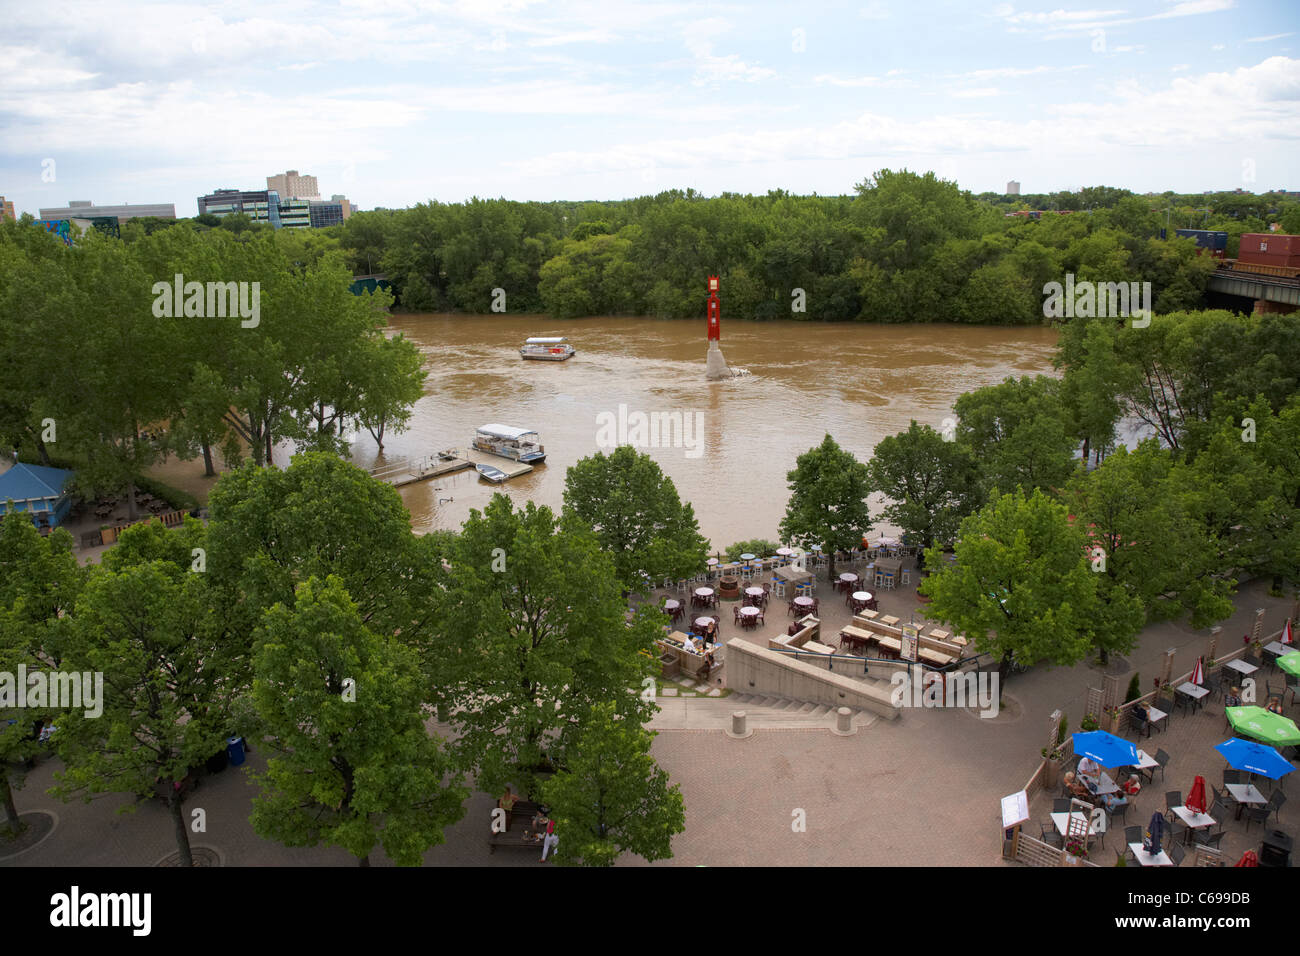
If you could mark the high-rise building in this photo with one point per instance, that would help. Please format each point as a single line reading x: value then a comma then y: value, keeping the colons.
x: 1013, y: 188
x: 291, y: 185
x: 85, y: 209
x: 6, y: 209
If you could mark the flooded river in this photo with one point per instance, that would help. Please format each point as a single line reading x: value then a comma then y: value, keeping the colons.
x: 859, y: 382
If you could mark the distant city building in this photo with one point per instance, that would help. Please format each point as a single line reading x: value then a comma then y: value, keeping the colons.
x: 291, y: 185
x: 332, y: 213
x: 1013, y: 188
x: 271, y: 206
x: 85, y: 209
x: 259, y: 205
x: 6, y: 209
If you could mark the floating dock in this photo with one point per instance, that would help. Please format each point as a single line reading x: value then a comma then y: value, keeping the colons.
x: 445, y: 463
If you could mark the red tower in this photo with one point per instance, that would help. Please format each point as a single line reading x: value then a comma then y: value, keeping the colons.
x: 715, y: 326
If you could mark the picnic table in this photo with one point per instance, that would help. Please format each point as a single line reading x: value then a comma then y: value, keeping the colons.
x: 931, y: 656
x: 1149, y: 859
x: 1156, y: 716
x: 1194, y: 691
x: 1245, y: 794
x: 854, y: 636
x: 1194, y: 819
x: 890, y: 620
x: 1061, y: 822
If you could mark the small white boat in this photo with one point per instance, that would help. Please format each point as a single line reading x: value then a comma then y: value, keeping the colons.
x: 547, y: 349
x: 495, y: 475
x: 506, y: 441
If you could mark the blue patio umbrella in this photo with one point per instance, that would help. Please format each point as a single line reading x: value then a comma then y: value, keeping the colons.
x: 1257, y: 758
x: 1107, y: 749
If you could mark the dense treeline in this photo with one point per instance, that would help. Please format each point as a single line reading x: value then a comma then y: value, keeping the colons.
x: 1055, y: 560
x: 106, y: 365
x: 903, y: 247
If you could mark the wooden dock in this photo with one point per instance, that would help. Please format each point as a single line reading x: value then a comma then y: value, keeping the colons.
x: 442, y: 463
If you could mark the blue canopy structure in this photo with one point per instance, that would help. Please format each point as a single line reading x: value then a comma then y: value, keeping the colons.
x: 1257, y: 758
x: 1107, y: 749
x: 37, y: 490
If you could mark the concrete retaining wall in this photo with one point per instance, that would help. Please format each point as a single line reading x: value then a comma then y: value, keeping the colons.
x: 757, y: 670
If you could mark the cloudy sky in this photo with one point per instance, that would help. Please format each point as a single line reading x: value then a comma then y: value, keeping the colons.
x: 393, y: 102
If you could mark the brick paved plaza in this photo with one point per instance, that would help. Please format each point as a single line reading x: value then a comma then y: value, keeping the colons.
x: 920, y: 790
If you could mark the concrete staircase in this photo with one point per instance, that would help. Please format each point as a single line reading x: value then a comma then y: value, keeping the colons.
x: 761, y: 712
x: 754, y: 704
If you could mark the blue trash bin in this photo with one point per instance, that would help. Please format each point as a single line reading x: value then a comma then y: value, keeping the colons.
x: 235, y: 750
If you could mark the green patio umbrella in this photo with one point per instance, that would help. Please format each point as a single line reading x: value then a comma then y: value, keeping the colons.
x: 1290, y: 663
x: 1263, y: 725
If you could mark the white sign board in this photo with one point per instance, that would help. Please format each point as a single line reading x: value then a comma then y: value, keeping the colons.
x: 1015, y: 809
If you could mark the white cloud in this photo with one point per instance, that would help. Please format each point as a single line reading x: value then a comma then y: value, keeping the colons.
x: 976, y: 92
x: 1099, y: 19
x: 1275, y: 36
x: 875, y: 10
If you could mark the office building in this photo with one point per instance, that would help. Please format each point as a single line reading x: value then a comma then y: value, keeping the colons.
x: 85, y: 209
x: 292, y: 185
x: 332, y: 213
x: 1013, y: 188
x: 6, y: 209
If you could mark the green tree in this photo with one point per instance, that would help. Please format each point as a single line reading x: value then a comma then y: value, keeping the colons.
x: 170, y: 677
x: 828, y: 500
x: 931, y: 484
x: 1021, y: 587
x: 342, y: 708
x: 1155, y: 560
x: 532, y: 636
x: 612, y: 798
x: 637, y: 516
x: 271, y: 529
x: 1018, y: 431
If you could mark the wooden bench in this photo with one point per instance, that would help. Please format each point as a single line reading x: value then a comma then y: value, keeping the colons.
x: 521, y: 820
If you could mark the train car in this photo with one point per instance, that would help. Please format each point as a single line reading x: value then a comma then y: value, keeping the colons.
x: 1264, y: 268
x: 1215, y: 243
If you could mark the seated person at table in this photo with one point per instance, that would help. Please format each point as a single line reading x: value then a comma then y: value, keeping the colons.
x: 1077, y: 789
x: 1274, y: 705
x: 1089, y: 768
x: 1232, y: 698
x: 1131, y: 785
x: 689, y: 643
x: 1113, y: 800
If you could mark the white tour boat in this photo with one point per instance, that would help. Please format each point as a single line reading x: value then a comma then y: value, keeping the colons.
x: 547, y: 349
x: 505, y: 441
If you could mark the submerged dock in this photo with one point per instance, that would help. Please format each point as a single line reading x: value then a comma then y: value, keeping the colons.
x: 442, y: 463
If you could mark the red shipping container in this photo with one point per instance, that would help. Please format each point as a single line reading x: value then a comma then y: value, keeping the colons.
x: 1270, y: 242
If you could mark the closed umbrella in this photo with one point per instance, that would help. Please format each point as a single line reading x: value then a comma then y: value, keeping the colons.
x: 1263, y: 725
x: 1198, y: 672
x: 1248, y: 859
x: 1255, y: 758
x: 1155, y: 835
x: 1196, y: 798
x: 1107, y: 749
x: 1286, y: 632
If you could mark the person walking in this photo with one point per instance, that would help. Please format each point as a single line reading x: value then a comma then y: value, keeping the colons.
x: 550, y: 841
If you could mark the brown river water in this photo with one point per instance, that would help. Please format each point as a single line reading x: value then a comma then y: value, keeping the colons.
x: 857, y: 381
